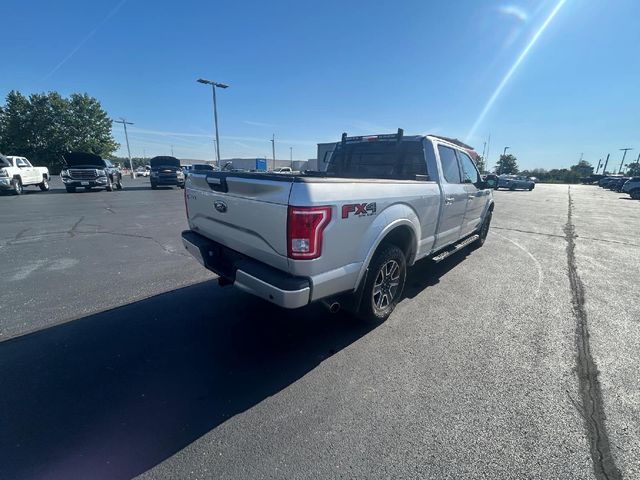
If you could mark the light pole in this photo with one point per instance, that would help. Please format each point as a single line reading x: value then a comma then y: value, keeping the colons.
x: 504, y: 153
x: 625, y: 150
x: 126, y: 136
x: 215, y: 111
x: 291, y: 157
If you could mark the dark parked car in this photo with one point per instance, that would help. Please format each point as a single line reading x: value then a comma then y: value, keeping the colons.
x: 605, y: 181
x: 616, y: 185
x: 166, y: 171
x: 632, y: 187
x: 87, y: 170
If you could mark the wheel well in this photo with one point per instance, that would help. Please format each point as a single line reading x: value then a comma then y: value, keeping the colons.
x: 491, y: 207
x: 403, y: 238
x: 17, y: 177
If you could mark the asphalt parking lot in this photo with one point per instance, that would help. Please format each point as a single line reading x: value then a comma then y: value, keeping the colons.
x: 120, y: 356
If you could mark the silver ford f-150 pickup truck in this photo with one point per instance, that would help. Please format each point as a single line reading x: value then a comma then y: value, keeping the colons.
x: 346, y: 235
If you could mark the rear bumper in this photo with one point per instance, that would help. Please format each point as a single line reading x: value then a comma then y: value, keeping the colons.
x: 248, y: 274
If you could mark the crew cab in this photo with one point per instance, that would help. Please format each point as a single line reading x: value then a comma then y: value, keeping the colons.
x: 166, y: 171
x: 87, y: 170
x: 17, y: 173
x: 515, y: 182
x: 344, y: 236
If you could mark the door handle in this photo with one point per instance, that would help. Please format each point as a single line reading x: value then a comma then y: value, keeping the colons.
x: 449, y: 200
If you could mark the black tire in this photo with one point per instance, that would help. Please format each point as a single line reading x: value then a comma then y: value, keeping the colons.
x: 18, y: 189
x: 483, y: 231
x: 44, y: 185
x: 119, y: 184
x: 153, y: 186
x: 531, y: 187
x: 70, y: 189
x: 384, y: 285
x: 109, y: 187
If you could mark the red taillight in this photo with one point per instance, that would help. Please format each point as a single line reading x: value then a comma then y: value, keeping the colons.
x: 304, y: 231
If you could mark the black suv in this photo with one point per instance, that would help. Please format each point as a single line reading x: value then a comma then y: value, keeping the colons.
x: 166, y: 171
x: 88, y: 171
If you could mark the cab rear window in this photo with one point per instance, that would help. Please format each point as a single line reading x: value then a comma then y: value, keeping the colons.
x: 378, y: 159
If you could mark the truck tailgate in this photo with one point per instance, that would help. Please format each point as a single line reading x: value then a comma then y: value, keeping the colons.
x: 247, y: 212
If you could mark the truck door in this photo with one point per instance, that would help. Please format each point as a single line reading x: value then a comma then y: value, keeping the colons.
x: 26, y: 171
x: 476, y: 198
x: 454, y: 198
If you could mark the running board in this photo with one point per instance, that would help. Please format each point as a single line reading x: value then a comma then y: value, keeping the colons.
x: 456, y: 248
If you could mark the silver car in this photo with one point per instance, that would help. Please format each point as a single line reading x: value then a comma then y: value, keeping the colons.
x: 515, y: 182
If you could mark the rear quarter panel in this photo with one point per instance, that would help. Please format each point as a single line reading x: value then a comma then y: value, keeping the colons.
x: 350, y: 241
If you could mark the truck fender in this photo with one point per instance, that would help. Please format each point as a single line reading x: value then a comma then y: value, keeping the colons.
x: 393, y: 217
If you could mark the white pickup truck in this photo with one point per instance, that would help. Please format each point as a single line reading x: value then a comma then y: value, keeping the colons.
x: 344, y: 236
x: 17, y: 173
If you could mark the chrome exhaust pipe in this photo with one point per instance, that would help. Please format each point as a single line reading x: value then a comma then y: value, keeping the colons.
x: 331, y: 305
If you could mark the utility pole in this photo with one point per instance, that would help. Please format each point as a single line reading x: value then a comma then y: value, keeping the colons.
x: 484, y: 146
x: 625, y: 150
x: 273, y: 149
x: 604, y: 171
x: 172, y: 150
x: 291, y: 157
x: 126, y: 136
x: 599, y: 163
x: 504, y: 154
x: 581, y: 155
x: 488, y: 147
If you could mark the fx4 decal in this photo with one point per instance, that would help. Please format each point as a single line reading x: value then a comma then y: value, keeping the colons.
x: 359, y: 209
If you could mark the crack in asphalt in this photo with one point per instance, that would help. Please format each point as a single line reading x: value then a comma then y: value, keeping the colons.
x: 553, y: 235
x: 529, y: 231
x: 73, y: 232
x: 592, y: 406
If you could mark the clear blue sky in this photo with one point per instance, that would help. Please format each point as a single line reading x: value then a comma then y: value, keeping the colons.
x: 308, y: 71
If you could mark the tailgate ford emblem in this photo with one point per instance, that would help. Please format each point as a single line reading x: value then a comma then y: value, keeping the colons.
x: 220, y: 206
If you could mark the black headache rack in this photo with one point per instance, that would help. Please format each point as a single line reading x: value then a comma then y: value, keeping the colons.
x: 372, y: 138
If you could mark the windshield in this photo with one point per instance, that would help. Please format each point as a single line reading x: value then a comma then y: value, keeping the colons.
x: 379, y: 159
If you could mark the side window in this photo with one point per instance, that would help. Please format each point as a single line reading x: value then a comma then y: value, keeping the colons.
x: 469, y: 171
x: 449, y: 164
x: 21, y: 163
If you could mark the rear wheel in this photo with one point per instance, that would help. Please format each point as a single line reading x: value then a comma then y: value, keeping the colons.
x: 119, y: 184
x: 44, y: 185
x: 384, y: 284
x: 109, y: 187
x: 531, y: 187
x: 17, y: 186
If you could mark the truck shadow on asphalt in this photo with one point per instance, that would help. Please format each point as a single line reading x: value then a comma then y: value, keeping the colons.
x: 426, y: 273
x: 113, y: 394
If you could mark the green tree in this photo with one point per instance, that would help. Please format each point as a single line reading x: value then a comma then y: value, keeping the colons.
x: 44, y: 126
x: 507, y: 165
x: 480, y: 163
x: 634, y: 170
x: 583, y: 168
